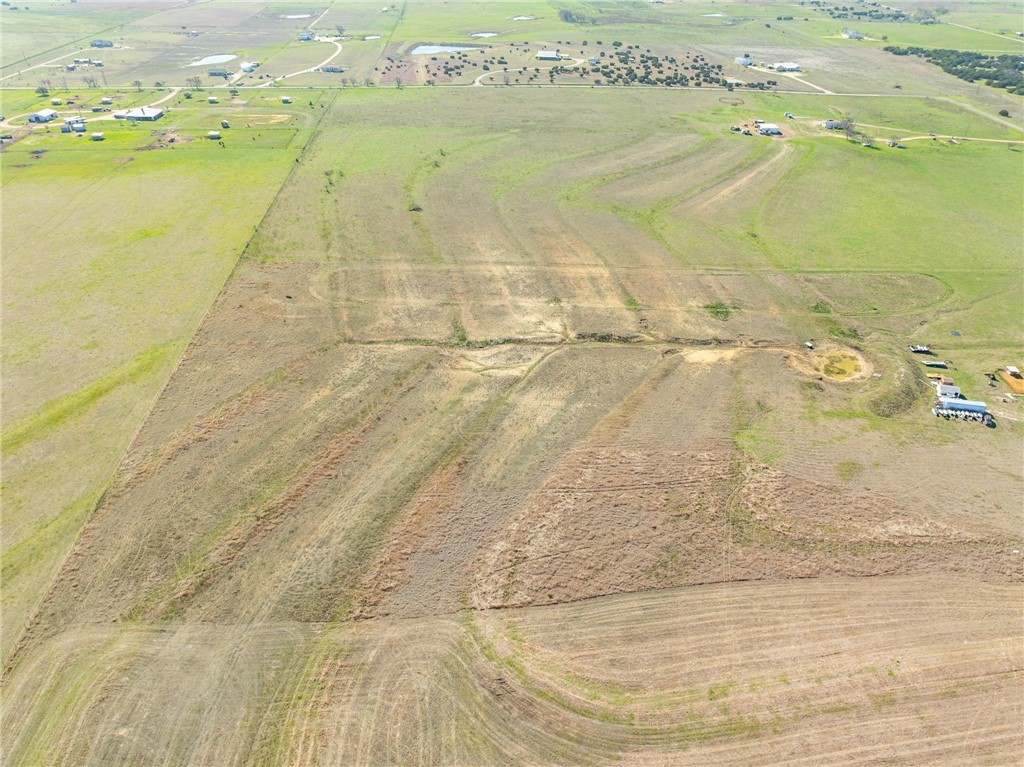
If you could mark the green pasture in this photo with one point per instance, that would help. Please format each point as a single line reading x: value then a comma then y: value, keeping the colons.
x: 100, y: 301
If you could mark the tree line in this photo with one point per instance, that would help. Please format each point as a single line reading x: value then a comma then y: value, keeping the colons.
x: 1005, y: 71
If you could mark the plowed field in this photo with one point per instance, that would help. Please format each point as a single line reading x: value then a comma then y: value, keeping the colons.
x: 542, y: 473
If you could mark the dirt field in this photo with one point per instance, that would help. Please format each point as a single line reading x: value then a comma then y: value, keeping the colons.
x: 543, y: 473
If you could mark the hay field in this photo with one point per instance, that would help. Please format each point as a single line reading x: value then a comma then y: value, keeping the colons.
x: 500, y: 444
x: 113, y: 252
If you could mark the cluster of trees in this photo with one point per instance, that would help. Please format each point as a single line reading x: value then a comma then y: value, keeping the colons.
x: 874, y: 12
x: 631, y: 66
x: 574, y: 17
x: 1005, y: 71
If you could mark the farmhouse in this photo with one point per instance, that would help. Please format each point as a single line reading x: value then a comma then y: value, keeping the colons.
x: 102, y: 44
x: 786, y: 66
x: 42, y: 116
x: 744, y: 61
x: 549, y: 56
x: 769, y: 129
x: 74, y: 120
x: 833, y: 124
x: 142, y: 114
x: 852, y: 34
x: 305, y: 37
x: 218, y: 73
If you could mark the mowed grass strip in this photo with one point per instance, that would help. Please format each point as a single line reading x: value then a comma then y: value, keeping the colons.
x: 60, y: 411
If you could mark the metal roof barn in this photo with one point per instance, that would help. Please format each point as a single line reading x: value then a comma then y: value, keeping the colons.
x: 967, y: 405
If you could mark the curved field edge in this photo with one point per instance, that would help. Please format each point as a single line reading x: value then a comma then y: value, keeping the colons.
x: 598, y: 682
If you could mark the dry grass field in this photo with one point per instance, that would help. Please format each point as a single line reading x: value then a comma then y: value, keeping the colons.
x: 542, y: 473
x: 482, y: 426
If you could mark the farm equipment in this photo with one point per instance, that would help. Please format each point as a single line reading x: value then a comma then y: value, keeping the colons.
x: 964, y: 415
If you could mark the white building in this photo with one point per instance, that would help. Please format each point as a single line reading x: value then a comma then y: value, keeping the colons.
x: 142, y: 114
x: 42, y: 116
x: 770, y: 129
x: 549, y: 56
x: 852, y: 34
x: 786, y: 66
x: 744, y: 61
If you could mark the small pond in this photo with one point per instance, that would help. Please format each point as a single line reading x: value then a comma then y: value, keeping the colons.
x: 218, y: 58
x: 440, y: 49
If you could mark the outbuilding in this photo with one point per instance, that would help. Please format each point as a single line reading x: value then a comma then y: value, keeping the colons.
x: 42, y: 116
x: 966, y: 405
x: 770, y: 129
x: 549, y: 56
x: 744, y: 61
x: 142, y: 114
x: 944, y: 390
x: 305, y: 37
x: 286, y: 99
x: 852, y: 34
x: 96, y: 137
x: 786, y: 66
x: 102, y: 44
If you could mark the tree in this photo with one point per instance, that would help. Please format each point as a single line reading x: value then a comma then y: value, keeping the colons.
x: 341, y: 30
x: 1004, y: 113
x: 90, y: 81
x: 42, y: 90
x: 137, y: 84
x: 195, y: 82
x: 849, y: 126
